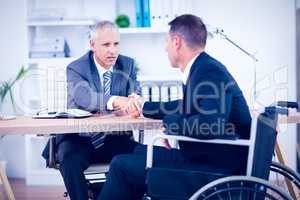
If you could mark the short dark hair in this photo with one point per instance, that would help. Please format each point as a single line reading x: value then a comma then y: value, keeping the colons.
x: 191, y: 28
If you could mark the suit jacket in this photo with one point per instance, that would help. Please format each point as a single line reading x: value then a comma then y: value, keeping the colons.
x: 85, y: 91
x: 213, y: 106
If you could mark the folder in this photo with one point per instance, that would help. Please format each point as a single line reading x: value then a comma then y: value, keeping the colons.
x: 146, y: 13
x: 166, y: 12
x: 139, y: 13
x: 156, y: 13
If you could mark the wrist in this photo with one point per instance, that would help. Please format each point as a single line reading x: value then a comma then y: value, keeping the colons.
x: 111, y: 103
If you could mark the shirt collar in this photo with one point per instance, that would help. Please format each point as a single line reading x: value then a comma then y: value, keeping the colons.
x: 101, y: 69
x: 187, y: 70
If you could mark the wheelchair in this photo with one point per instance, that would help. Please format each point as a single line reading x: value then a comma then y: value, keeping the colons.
x: 178, y: 184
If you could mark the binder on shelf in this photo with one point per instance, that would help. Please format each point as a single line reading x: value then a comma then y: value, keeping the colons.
x: 175, y: 8
x: 146, y: 13
x: 139, y: 13
x: 156, y: 19
x: 47, y: 55
x: 48, y: 45
x: 49, y: 48
x: 167, y: 7
x: 180, y: 7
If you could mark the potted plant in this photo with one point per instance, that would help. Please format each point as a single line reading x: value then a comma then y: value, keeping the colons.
x: 122, y: 21
x: 6, y: 88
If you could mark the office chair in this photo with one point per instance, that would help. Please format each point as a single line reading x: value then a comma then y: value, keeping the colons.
x: 180, y: 184
x: 95, y: 174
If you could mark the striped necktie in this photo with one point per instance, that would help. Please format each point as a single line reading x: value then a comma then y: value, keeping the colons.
x: 98, y: 139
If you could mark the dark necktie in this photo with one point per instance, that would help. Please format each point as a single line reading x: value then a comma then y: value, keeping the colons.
x: 98, y: 139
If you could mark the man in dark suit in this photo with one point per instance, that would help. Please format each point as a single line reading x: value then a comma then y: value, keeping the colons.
x: 213, y: 106
x: 101, y: 80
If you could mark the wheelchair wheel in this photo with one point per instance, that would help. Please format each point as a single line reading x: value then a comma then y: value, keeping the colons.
x: 280, y: 173
x: 240, y: 188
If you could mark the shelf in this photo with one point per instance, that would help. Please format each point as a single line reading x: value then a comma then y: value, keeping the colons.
x: 36, y: 23
x: 82, y: 22
x: 43, y: 60
x: 143, y: 30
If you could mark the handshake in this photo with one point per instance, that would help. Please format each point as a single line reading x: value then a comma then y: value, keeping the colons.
x: 131, y: 105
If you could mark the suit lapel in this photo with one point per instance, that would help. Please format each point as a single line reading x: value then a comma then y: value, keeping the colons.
x: 95, y: 74
x: 194, y: 67
x: 116, y: 80
x: 187, y: 89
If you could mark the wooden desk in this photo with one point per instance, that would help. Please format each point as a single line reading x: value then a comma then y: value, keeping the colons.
x: 293, y: 118
x: 97, y: 123
x: 27, y: 125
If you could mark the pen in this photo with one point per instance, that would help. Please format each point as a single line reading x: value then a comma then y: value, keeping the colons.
x: 51, y: 113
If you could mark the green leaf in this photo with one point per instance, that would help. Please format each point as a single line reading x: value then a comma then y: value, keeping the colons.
x: 6, y: 86
x: 20, y: 74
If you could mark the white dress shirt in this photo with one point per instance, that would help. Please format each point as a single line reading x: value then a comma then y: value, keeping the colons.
x: 101, y: 71
x: 187, y: 70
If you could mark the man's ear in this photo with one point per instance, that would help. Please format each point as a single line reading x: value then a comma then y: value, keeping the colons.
x: 177, y: 40
x: 92, y: 44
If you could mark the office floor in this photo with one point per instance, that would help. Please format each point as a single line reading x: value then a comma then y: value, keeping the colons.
x: 24, y: 192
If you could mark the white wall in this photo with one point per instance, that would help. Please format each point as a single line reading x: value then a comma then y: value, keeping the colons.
x: 268, y: 28
x: 265, y: 26
x: 12, y: 56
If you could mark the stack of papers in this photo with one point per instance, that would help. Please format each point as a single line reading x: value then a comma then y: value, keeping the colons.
x: 69, y: 113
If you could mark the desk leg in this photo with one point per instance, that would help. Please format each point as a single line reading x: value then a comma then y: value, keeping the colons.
x: 282, y: 161
x: 6, y: 184
x: 141, y: 136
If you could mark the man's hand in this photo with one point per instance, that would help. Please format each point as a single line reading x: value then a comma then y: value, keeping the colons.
x: 134, y: 107
x: 120, y: 103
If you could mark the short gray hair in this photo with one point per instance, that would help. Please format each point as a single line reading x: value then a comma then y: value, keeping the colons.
x: 100, y: 25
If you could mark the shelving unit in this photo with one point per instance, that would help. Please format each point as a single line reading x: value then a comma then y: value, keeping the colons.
x: 36, y: 23
x: 142, y: 30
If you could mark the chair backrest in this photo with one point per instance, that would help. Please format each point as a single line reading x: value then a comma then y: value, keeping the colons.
x: 265, y: 143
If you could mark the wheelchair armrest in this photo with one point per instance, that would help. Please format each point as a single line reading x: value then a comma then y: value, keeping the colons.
x: 149, y: 161
x: 287, y: 104
x: 52, y: 150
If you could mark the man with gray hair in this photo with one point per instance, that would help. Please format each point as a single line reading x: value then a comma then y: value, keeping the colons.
x: 99, y: 81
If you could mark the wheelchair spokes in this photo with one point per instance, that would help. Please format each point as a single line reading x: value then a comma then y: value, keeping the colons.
x: 240, y: 188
